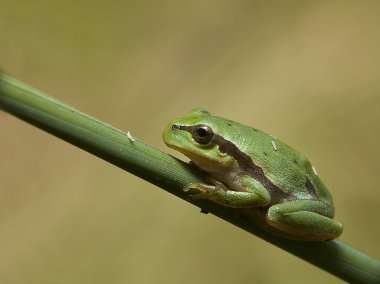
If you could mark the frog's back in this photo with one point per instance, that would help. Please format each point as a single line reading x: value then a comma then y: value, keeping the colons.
x: 288, y: 170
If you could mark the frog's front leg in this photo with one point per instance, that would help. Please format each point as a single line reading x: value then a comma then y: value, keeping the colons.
x: 252, y: 193
x: 304, y: 220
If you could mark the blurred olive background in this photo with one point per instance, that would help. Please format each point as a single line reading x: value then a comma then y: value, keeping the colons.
x: 305, y: 71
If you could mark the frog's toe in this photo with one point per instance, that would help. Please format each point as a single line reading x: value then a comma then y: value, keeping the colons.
x: 201, y: 191
x: 187, y: 187
x: 191, y: 186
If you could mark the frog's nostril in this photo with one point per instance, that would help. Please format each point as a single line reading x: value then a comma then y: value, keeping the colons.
x: 176, y: 127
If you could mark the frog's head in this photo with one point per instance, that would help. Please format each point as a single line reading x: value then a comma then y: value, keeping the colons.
x: 201, y: 137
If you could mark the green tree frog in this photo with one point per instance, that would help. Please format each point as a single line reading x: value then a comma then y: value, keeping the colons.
x: 270, y: 182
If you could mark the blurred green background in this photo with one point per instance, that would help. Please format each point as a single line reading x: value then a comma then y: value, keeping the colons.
x: 305, y: 71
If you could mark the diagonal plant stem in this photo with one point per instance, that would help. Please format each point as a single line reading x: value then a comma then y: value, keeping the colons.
x: 168, y: 173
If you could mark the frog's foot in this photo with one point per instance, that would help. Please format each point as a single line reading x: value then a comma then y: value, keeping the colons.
x: 221, y: 194
x: 302, y: 220
x: 206, y: 191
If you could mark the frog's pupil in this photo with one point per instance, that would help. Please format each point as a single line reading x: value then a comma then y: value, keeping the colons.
x: 202, y: 132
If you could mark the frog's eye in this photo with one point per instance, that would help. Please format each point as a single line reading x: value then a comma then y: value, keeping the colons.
x: 202, y: 134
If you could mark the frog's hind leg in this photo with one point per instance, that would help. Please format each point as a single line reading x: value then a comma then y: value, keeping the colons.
x: 303, y: 220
